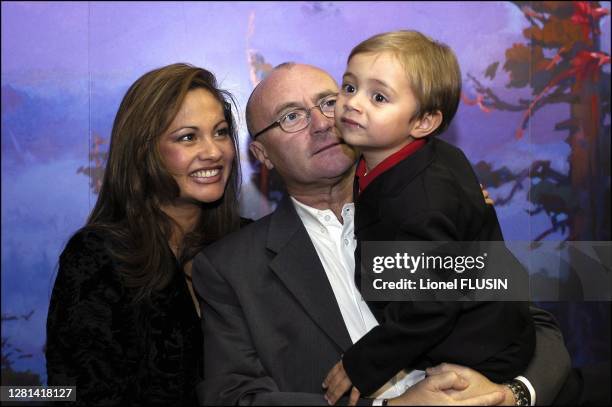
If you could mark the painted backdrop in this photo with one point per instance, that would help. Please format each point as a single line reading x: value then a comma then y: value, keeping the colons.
x: 534, y: 119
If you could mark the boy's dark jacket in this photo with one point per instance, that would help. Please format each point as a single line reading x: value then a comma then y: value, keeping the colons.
x: 434, y: 195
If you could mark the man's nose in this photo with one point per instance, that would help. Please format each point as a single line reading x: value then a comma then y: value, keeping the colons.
x: 319, y: 122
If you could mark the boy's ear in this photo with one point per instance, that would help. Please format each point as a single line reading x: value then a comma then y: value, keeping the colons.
x: 427, y: 124
x: 259, y: 151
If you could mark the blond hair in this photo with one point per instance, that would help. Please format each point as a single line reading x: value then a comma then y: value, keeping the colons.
x: 431, y: 67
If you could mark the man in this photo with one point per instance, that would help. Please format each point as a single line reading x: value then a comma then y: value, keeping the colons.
x: 280, y: 304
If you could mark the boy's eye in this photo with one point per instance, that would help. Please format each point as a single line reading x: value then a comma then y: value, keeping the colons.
x: 380, y: 98
x: 348, y: 88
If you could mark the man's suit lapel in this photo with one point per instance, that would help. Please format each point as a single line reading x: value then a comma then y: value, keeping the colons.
x: 297, y: 265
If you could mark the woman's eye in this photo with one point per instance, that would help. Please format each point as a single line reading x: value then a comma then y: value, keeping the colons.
x: 224, y: 132
x: 348, y: 88
x: 187, y: 137
x: 378, y: 97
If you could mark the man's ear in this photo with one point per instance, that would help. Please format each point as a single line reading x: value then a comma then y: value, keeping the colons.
x: 259, y: 151
x: 427, y: 124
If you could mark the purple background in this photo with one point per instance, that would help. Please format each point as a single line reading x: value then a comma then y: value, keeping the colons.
x: 66, y: 66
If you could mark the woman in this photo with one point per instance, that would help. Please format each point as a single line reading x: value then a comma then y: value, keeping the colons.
x: 123, y: 324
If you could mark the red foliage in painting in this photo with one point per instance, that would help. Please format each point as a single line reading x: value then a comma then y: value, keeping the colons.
x: 574, y: 76
x: 97, y: 160
x: 478, y: 102
x: 587, y: 16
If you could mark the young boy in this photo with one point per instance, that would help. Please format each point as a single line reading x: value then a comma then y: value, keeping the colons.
x: 399, y: 91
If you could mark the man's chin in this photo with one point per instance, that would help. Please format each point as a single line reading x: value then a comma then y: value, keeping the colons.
x: 350, y: 152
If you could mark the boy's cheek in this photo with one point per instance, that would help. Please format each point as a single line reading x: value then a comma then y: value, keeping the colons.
x: 339, y: 107
x: 340, y: 133
x: 337, y: 117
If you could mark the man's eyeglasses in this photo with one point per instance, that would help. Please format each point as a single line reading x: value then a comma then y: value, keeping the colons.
x: 299, y: 119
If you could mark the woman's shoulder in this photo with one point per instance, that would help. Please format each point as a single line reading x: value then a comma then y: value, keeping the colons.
x: 87, y: 257
x: 86, y: 238
x: 88, y: 242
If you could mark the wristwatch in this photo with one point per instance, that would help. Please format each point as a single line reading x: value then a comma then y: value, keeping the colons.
x: 520, y: 392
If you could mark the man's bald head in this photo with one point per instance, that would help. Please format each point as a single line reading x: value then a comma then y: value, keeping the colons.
x: 263, y: 90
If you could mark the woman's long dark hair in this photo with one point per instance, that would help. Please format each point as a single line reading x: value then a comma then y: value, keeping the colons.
x: 136, y: 182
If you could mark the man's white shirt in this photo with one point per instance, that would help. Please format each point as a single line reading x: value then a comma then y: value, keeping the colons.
x: 335, y: 244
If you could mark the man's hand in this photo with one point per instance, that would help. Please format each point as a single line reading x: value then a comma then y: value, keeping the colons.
x: 477, y: 384
x: 337, y: 383
x: 433, y: 390
x: 487, y: 198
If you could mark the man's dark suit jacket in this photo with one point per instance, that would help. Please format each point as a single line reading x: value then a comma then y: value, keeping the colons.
x: 434, y: 195
x: 272, y: 328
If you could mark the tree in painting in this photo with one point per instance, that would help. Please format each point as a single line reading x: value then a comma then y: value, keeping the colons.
x: 560, y: 62
x: 12, y: 353
x: 97, y: 162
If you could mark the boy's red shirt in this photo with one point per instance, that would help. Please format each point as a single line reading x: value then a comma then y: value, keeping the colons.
x: 386, y: 164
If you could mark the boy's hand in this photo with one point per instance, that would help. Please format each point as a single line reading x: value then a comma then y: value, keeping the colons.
x: 487, y: 198
x: 354, y: 397
x: 337, y: 383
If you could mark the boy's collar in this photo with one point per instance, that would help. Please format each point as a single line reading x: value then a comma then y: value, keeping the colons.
x: 365, y: 177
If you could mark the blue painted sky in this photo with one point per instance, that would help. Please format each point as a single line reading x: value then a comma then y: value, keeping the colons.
x: 66, y: 66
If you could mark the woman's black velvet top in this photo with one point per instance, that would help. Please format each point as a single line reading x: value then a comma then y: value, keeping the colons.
x: 114, y: 352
